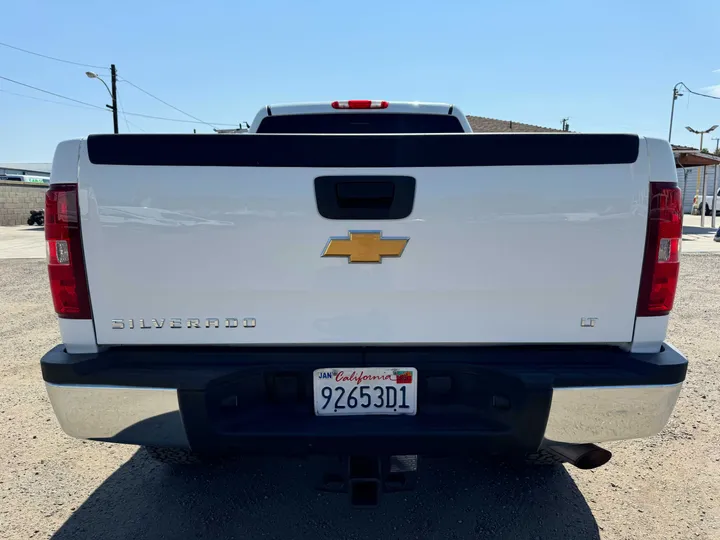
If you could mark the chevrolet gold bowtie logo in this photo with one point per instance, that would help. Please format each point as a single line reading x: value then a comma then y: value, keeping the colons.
x: 365, y: 247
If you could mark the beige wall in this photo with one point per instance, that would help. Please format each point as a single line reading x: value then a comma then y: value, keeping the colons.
x: 17, y: 199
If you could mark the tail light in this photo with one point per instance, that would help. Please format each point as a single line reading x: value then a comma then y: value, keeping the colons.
x: 661, y: 263
x: 360, y: 104
x: 66, y: 265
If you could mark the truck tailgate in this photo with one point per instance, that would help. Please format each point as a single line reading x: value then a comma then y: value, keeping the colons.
x: 219, y: 239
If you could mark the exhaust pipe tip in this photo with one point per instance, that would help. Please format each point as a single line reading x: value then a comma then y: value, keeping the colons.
x: 582, y: 456
x: 593, y: 459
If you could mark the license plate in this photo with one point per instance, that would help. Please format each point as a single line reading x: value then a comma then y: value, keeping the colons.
x: 364, y: 391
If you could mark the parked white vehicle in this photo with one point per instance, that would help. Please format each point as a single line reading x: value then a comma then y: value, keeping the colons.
x: 346, y: 280
x: 711, y: 203
x: 24, y: 178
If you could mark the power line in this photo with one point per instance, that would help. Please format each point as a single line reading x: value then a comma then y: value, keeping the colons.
x: 48, y: 100
x: 198, y: 120
x: 177, y: 119
x: 128, y: 123
x: 51, y: 93
x: 104, y: 109
x: 135, y: 125
x: 166, y: 103
x: 697, y: 93
x: 51, y: 57
x: 124, y: 115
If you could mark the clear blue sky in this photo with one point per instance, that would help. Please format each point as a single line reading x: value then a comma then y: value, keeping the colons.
x: 609, y: 66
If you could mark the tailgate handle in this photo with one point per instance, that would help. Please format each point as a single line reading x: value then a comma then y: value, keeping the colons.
x: 365, y: 197
x: 365, y: 194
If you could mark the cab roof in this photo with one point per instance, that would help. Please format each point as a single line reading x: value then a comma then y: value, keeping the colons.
x: 338, y: 107
x: 392, y: 106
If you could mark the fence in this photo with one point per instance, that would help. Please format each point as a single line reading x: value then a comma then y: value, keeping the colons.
x: 17, y: 199
x: 690, y: 183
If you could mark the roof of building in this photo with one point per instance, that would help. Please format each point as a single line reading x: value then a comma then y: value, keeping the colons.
x: 687, y: 156
x: 34, y: 167
x: 680, y: 148
x: 481, y: 124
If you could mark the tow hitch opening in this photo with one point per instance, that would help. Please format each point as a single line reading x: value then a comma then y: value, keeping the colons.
x: 365, y: 478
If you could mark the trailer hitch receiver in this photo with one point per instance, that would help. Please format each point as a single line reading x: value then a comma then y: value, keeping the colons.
x: 365, y: 478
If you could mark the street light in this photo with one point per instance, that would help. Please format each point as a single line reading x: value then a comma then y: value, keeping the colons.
x: 113, y: 92
x: 701, y: 133
x: 93, y: 75
x: 676, y: 94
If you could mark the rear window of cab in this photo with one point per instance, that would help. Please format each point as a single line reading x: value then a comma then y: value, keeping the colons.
x: 361, y: 123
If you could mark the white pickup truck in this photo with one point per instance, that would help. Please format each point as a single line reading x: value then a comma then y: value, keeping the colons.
x: 710, y: 202
x: 364, y: 279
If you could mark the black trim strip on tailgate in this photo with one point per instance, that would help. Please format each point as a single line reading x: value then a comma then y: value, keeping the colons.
x: 354, y: 151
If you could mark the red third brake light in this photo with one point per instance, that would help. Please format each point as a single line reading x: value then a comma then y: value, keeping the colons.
x: 661, y: 263
x: 66, y: 265
x: 360, y: 104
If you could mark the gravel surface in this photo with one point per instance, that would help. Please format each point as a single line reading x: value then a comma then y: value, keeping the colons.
x: 666, y: 486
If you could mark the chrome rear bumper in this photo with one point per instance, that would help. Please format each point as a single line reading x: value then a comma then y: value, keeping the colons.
x: 611, y: 413
x: 151, y: 416
x: 145, y: 416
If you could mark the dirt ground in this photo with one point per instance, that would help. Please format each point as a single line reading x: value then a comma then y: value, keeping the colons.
x: 667, y: 486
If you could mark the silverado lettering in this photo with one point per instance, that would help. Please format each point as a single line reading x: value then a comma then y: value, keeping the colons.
x: 121, y: 324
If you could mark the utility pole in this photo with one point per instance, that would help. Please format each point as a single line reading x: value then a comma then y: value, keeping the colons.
x: 715, y: 184
x: 113, y: 84
x: 113, y: 92
x: 676, y: 94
